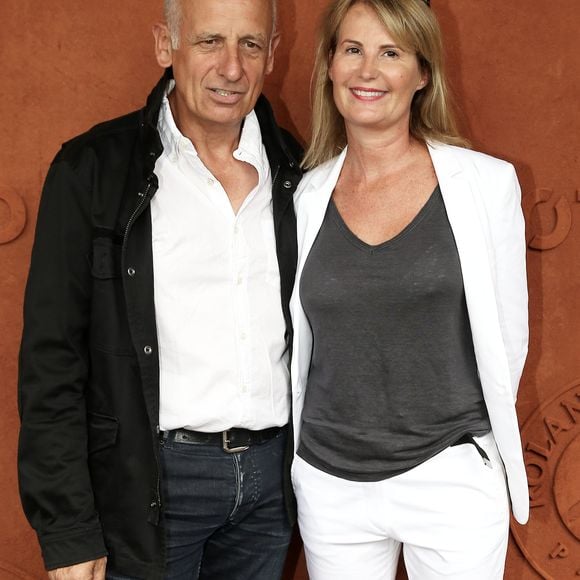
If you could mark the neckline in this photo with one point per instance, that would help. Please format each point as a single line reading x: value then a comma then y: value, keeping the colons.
x: 423, y: 213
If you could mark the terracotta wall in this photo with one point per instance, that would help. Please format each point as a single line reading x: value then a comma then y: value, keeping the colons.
x: 515, y: 68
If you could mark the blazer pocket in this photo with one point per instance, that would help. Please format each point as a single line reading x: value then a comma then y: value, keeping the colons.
x: 103, y: 431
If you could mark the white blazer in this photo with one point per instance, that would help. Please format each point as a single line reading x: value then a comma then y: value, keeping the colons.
x: 482, y: 199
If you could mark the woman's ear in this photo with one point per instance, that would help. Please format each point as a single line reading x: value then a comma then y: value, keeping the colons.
x: 329, y: 65
x: 425, y: 77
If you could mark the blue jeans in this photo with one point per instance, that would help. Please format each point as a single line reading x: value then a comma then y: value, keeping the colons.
x: 224, y: 514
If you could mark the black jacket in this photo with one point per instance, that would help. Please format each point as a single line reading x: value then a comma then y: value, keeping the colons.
x: 89, y: 371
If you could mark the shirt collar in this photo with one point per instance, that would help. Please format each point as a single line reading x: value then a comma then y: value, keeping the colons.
x: 250, y: 148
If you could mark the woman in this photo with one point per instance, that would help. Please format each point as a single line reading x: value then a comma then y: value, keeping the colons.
x: 410, y: 315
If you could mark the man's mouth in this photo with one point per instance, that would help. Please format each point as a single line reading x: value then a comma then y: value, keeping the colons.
x: 224, y: 93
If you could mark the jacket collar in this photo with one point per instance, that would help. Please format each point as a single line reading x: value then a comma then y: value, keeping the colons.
x: 150, y: 139
x: 154, y: 100
x: 274, y: 142
x: 444, y: 160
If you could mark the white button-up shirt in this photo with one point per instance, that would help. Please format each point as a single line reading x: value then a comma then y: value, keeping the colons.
x: 222, y: 354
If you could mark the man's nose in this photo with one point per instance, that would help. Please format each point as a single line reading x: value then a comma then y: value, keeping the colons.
x: 230, y: 63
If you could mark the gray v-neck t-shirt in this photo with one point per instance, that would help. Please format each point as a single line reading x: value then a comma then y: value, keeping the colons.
x: 393, y: 379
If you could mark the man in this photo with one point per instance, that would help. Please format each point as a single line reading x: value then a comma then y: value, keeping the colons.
x: 153, y: 371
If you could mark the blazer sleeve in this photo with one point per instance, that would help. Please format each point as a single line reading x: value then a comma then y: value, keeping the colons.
x: 506, y: 222
x: 54, y: 479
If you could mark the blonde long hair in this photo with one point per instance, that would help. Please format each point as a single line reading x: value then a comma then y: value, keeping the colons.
x: 414, y: 26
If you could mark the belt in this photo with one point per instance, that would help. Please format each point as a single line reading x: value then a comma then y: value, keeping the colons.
x: 231, y: 441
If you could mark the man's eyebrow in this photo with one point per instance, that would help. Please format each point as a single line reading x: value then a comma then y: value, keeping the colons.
x: 257, y: 37
x: 203, y: 36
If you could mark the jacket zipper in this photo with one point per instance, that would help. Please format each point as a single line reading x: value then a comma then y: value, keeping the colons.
x: 144, y: 195
x: 135, y: 213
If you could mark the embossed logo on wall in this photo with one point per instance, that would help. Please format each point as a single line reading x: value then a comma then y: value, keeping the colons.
x: 541, y: 200
x: 551, y: 439
x: 12, y: 225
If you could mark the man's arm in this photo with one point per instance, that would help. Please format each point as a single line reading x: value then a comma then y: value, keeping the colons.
x: 55, y: 484
x: 94, y: 570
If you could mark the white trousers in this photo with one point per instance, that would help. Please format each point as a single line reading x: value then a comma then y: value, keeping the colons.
x: 450, y: 514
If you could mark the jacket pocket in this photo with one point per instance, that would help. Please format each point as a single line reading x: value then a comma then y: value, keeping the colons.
x: 106, y: 259
x: 109, y: 325
x: 103, y: 431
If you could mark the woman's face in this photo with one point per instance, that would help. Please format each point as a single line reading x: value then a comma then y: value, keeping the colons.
x: 373, y: 78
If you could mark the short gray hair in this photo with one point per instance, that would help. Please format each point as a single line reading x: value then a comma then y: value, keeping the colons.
x: 173, y: 13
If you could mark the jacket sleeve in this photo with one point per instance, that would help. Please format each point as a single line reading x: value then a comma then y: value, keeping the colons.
x: 55, y: 484
x: 509, y: 250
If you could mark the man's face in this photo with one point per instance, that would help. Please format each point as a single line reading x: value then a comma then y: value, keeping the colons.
x: 226, y: 49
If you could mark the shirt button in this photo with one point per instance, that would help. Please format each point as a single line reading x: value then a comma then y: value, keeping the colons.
x: 243, y: 336
x: 147, y: 350
x: 239, y: 280
x: 287, y: 184
x: 131, y: 272
x: 210, y: 181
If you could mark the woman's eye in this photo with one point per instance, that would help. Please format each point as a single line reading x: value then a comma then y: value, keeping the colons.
x: 391, y: 53
x: 353, y: 50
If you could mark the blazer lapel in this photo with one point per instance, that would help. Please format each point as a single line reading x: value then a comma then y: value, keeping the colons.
x: 459, y: 190
x: 311, y: 204
x: 312, y: 208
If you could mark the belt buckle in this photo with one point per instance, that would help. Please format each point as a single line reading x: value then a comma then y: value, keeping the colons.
x: 226, y: 445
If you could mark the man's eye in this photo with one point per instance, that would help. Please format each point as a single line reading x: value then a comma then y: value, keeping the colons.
x: 251, y: 45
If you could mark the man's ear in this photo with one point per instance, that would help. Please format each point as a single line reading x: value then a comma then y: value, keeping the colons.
x: 272, y: 49
x: 163, y: 47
